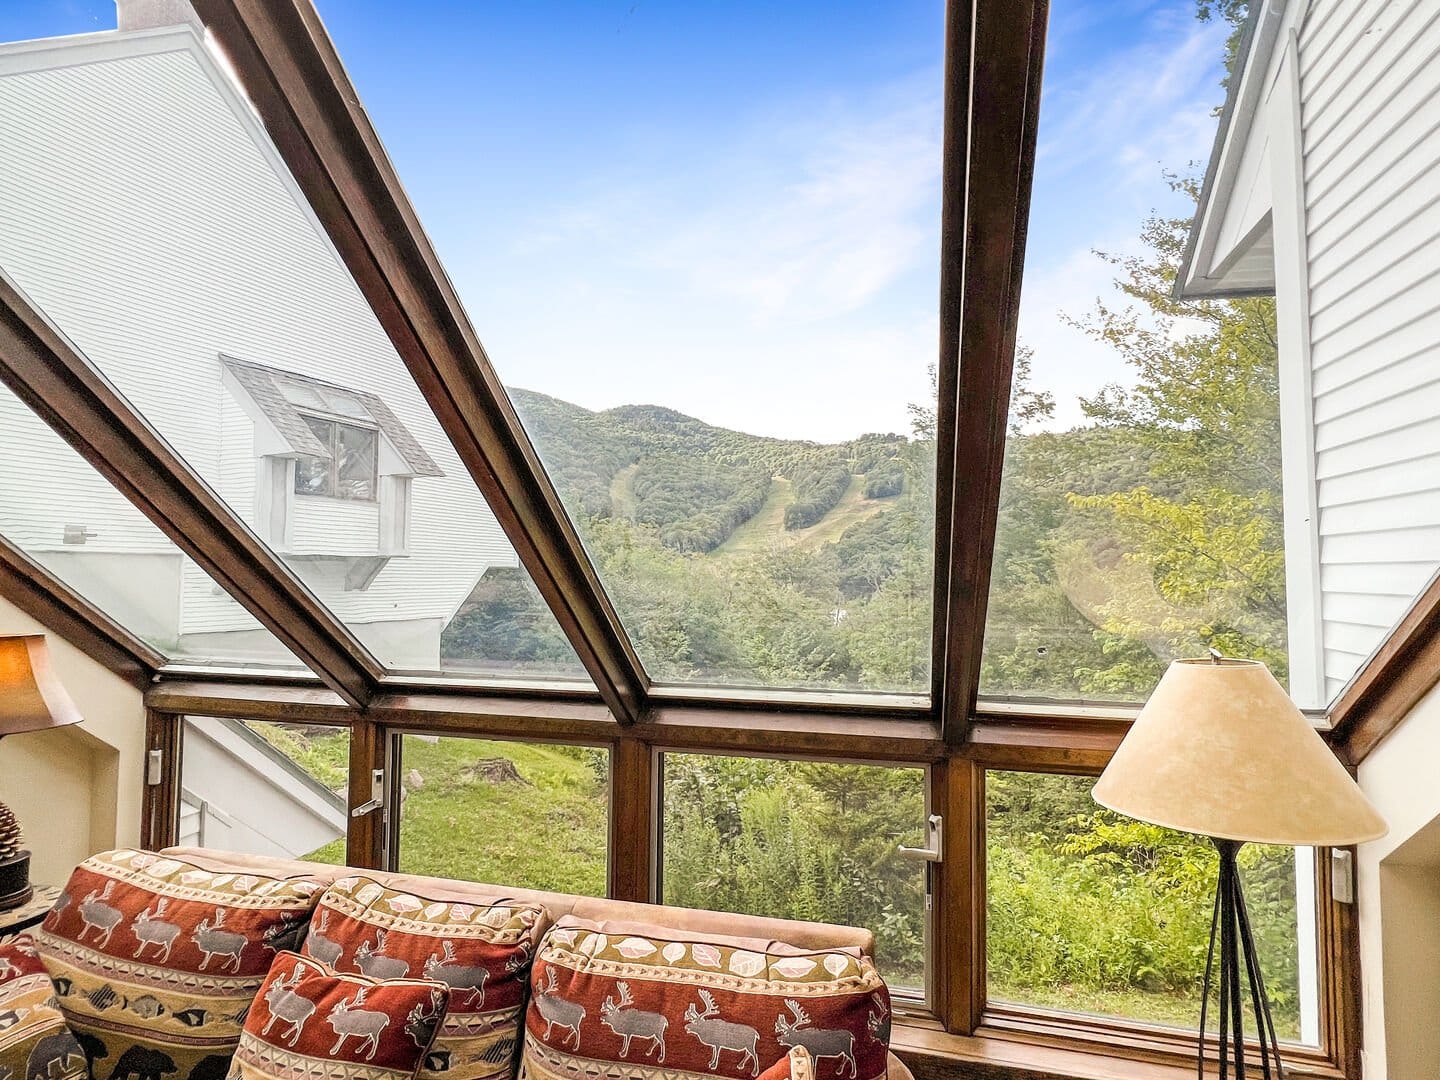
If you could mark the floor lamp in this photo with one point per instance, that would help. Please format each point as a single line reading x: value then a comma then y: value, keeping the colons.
x: 1221, y: 750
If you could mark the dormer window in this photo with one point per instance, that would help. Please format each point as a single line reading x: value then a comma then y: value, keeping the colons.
x: 350, y: 471
x: 333, y: 468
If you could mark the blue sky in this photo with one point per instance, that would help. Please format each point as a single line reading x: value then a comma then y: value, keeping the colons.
x: 733, y: 209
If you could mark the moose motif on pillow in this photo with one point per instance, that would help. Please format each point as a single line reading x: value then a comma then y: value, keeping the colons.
x: 310, y: 1020
x: 622, y: 1000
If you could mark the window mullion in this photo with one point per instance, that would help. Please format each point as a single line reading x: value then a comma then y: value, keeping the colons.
x: 634, y: 837
x: 365, y: 835
x: 957, y: 963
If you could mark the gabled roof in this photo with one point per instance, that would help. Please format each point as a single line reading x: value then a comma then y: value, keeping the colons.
x: 266, y: 387
x: 1229, y: 251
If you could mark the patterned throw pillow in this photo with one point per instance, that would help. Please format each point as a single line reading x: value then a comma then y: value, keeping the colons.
x: 309, y: 1021
x: 34, y: 1039
x: 630, y: 1002
x: 155, y: 961
x: 481, y: 951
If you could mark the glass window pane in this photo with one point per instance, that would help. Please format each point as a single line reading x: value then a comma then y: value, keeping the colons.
x: 265, y: 788
x: 355, y: 469
x: 801, y: 840
x: 312, y: 476
x: 709, y: 271
x: 68, y: 518
x: 147, y: 214
x: 1140, y: 517
x: 1091, y: 912
x: 528, y: 815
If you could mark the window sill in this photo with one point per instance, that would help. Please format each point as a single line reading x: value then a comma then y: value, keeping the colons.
x: 932, y: 1052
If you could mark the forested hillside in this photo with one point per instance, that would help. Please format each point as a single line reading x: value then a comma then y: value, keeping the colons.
x: 693, y: 482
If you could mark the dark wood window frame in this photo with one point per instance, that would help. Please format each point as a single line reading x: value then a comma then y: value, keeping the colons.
x: 956, y: 1025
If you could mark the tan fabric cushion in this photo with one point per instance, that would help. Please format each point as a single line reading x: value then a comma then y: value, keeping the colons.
x: 805, y: 935
x: 311, y: 1021
x: 34, y: 1038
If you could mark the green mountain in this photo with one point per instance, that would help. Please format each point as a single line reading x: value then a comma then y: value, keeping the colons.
x: 694, y: 482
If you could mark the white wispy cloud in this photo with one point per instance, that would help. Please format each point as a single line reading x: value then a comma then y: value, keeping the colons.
x: 1109, y: 129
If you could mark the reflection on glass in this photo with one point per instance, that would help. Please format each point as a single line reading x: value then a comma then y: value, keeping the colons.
x: 1140, y: 515
x: 801, y: 840
x: 709, y: 272
x: 148, y: 216
x: 525, y: 815
x: 1091, y: 912
x: 65, y: 516
x: 349, y: 469
x: 265, y: 788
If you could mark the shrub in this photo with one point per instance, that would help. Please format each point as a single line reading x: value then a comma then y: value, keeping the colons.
x: 817, y: 489
x: 885, y: 482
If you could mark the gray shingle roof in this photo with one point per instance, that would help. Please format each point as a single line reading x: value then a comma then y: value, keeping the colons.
x: 265, y: 385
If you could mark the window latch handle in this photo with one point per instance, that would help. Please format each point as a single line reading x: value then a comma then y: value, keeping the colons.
x: 377, y: 795
x: 935, y: 838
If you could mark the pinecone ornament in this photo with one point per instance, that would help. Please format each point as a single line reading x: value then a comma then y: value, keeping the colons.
x: 10, y: 838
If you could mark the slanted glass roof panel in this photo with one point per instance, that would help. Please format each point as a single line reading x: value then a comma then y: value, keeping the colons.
x: 701, y: 244
x: 69, y: 519
x: 148, y: 216
x: 1141, y: 508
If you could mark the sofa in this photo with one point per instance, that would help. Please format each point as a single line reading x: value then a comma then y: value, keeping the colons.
x: 163, y: 962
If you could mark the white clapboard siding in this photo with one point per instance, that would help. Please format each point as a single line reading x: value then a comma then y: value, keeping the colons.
x: 326, y: 526
x: 1405, y: 375
x: 146, y: 213
x: 1370, y: 114
x: 1391, y: 480
x: 1399, y: 580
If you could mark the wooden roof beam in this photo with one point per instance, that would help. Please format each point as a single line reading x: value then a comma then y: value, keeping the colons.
x: 1006, y: 47
x: 48, y: 600
x: 290, y: 70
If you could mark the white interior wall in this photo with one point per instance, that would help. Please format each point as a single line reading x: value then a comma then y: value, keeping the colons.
x: 1398, y: 890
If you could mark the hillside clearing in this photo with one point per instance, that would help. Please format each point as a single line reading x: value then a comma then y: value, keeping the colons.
x: 767, y: 527
x: 622, y: 496
x: 853, y: 507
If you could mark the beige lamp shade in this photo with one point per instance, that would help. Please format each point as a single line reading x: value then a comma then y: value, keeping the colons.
x: 1221, y: 750
x: 31, y: 697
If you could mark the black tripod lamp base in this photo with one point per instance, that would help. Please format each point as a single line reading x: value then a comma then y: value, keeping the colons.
x: 1232, y: 939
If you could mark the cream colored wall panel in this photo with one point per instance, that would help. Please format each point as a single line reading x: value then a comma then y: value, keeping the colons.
x: 77, y: 790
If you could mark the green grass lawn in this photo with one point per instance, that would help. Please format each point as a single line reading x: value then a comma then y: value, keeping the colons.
x: 546, y: 831
x: 323, y: 753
